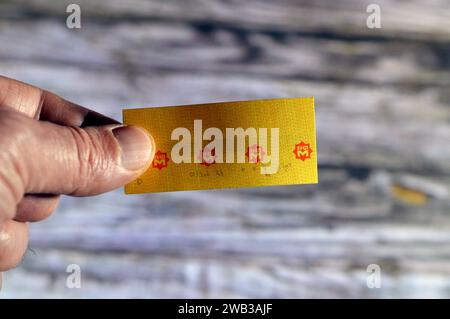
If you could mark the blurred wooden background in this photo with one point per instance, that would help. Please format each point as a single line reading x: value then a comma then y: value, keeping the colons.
x: 383, y: 120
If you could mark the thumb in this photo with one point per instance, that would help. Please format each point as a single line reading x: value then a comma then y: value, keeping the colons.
x: 70, y: 160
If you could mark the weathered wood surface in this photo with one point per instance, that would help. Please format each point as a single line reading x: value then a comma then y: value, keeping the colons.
x: 383, y: 121
x: 417, y: 19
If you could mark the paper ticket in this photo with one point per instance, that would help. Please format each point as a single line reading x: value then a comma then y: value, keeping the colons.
x: 227, y: 145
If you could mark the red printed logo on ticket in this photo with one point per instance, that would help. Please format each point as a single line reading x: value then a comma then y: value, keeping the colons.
x: 302, y: 151
x: 161, y: 160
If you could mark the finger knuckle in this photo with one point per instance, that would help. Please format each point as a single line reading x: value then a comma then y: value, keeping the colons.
x: 91, y: 157
x: 12, y: 172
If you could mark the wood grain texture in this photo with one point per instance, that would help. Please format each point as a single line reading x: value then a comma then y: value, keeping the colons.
x: 223, y: 51
x: 414, y: 19
x: 383, y: 124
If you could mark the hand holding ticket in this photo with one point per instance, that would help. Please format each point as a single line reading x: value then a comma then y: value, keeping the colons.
x: 231, y: 144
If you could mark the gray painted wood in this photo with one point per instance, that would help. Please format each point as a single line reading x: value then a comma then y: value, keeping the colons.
x: 383, y: 130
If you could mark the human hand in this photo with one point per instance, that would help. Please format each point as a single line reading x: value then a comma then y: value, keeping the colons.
x: 48, y: 147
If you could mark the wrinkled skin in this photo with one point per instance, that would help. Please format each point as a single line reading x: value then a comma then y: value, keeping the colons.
x: 49, y: 147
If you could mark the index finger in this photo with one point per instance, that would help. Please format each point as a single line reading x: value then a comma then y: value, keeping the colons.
x: 44, y: 105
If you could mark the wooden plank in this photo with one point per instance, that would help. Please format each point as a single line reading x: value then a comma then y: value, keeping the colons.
x: 110, y: 276
x: 377, y: 242
x: 414, y: 19
x: 226, y: 52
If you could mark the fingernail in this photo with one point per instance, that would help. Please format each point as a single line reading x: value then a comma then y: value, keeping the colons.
x: 137, y: 147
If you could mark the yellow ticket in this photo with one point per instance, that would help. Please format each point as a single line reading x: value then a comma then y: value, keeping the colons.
x: 226, y: 145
